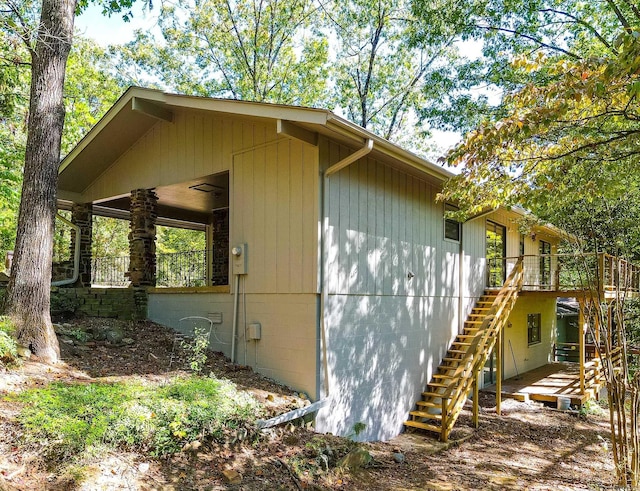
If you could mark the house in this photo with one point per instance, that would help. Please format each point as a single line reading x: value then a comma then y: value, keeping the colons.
x: 327, y: 254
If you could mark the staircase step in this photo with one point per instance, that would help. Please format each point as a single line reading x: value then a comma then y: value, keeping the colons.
x: 443, y: 376
x: 422, y: 426
x: 429, y: 404
x: 437, y: 384
x: 453, y: 360
x: 425, y: 415
x: 432, y: 394
x: 457, y: 351
x: 471, y: 330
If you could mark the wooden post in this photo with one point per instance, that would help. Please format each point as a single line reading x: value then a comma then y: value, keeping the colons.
x: 597, y: 356
x: 444, y: 422
x: 499, y: 370
x: 602, y: 277
x: 581, y: 356
x: 476, y: 395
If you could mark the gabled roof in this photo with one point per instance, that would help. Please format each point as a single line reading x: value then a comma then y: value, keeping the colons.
x: 138, y: 109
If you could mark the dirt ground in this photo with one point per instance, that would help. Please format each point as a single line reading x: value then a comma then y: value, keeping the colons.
x: 529, y: 447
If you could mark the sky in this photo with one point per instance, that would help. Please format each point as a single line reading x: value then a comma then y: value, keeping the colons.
x: 114, y: 30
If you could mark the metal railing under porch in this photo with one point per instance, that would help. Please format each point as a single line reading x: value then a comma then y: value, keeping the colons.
x: 179, y: 269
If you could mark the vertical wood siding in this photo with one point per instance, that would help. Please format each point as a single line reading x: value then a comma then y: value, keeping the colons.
x: 193, y: 146
x: 274, y: 210
x: 384, y: 224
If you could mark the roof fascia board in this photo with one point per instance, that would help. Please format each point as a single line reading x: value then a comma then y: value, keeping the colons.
x: 132, y: 92
x: 251, y: 109
x: 547, y: 228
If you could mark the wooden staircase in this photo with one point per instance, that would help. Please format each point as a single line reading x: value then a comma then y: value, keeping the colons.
x: 458, y: 374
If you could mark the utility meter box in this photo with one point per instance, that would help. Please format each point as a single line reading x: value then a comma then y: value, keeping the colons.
x: 255, y: 331
x: 239, y: 259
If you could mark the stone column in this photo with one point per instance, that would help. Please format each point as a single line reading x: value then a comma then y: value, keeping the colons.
x: 82, y: 216
x: 142, y: 238
x: 220, y: 246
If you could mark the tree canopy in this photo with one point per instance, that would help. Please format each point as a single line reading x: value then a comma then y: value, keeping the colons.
x: 571, y: 30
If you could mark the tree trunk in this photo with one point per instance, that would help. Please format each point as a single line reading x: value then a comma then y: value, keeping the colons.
x: 30, y: 285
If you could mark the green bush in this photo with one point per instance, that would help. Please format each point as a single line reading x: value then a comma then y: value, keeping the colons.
x: 8, y: 345
x: 63, y: 303
x: 69, y: 419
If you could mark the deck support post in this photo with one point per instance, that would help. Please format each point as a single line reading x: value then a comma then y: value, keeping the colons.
x: 444, y: 422
x: 499, y: 371
x: 476, y: 395
x: 581, y: 324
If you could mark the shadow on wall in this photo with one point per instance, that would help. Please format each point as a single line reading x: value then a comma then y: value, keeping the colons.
x: 381, y: 352
x: 383, y: 346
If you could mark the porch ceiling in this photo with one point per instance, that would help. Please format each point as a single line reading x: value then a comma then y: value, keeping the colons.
x: 190, y: 201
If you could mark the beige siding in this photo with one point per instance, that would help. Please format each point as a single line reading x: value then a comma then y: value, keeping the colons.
x: 274, y: 206
x: 384, y: 224
x: 193, y: 146
x: 287, y: 351
x: 273, y: 194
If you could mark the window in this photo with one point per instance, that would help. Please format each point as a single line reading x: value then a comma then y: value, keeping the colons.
x: 533, y: 329
x: 522, y: 244
x: 451, y: 227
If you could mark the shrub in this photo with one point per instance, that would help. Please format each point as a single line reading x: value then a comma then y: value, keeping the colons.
x: 8, y: 344
x: 71, y: 418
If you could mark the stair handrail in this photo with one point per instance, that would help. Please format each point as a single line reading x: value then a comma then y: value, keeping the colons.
x: 453, y: 396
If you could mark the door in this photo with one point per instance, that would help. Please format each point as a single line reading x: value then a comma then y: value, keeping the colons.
x: 496, y: 250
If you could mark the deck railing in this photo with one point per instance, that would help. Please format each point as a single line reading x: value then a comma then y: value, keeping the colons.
x: 571, y: 352
x: 568, y: 272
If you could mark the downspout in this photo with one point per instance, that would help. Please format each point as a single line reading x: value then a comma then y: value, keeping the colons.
x: 234, y: 328
x: 76, y: 256
x: 324, y: 264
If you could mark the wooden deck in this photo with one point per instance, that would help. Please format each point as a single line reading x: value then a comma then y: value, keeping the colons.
x: 546, y: 383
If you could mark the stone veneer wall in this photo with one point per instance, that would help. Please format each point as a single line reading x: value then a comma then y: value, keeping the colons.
x: 120, y: 303
x: 142, y: 238
x: 82, y: 216
x: 220, y: 246
x: 61, y: 271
